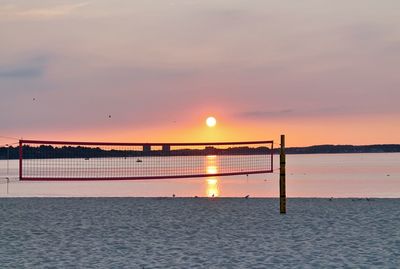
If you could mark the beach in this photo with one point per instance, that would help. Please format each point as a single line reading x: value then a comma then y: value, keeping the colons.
x: 199, y: 134
x: 198, y: 233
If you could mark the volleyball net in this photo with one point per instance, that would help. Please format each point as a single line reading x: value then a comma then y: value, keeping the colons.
x: 60, y: 160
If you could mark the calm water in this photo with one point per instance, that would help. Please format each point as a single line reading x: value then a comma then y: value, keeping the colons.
x: 325, y: 175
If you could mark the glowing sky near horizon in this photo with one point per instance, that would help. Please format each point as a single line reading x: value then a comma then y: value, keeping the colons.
x: 318, y: 71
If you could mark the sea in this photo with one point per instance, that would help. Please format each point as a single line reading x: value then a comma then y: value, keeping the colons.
x: 309, y: 175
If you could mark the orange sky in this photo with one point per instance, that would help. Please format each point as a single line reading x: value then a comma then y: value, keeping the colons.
x: 332, y: 131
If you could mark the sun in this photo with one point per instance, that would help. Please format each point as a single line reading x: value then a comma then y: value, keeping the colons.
x: 211, y: 121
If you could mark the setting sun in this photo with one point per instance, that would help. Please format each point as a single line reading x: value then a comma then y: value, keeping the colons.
x: 211, y: 122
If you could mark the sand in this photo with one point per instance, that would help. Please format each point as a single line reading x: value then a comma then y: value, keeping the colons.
x: 198, y: 233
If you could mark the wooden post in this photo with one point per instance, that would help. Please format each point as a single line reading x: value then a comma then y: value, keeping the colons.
x: 282, y: 177
x: 20, y: 160
x: 8, y: 158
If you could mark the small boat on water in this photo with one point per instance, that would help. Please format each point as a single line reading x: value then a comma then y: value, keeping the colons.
x: 139, y: 161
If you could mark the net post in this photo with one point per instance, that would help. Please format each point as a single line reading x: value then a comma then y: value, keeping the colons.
x: 20, y: 159
x: 282, y: 177
x: 272, y: 156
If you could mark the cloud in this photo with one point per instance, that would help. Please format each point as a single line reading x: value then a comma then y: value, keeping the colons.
x: 266, y: 113
x: 32, y: 68
x: 22, y: 72
x: 40, y: 12
x: 302, y: 112
x: 367, y: 32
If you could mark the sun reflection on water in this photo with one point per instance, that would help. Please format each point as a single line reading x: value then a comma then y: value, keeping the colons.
x: 212, y: 181
x: 212, y: 169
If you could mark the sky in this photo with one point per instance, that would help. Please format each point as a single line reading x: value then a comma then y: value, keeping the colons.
x: 321, y: 72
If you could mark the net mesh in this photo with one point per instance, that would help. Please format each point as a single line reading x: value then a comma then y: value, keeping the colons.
x: 41, y: 160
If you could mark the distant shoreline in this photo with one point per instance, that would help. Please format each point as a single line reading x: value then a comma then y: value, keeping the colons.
x: 343, y: 149
x: 13, y: 153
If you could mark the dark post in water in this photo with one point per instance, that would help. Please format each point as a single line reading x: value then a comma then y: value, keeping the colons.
x: 282, y: 177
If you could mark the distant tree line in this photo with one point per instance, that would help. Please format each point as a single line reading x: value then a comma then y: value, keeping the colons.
x: 320, y: 149
x: 46, y: 151
x: 50, y: 152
